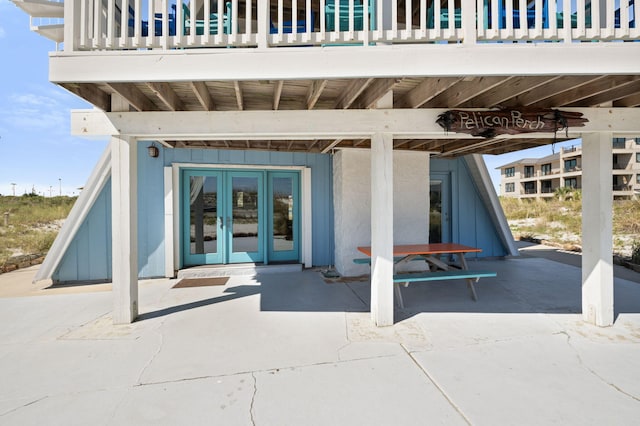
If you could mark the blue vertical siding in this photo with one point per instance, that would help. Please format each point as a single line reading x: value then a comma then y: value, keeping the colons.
x: 470, y: 220
x: 89, y: 255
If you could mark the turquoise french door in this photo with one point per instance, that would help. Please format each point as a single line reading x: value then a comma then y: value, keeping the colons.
x: 284, y: 220
x: 439, y: 210
x: 244, y: 215
x: 237, y: 216
x: 203, y: 223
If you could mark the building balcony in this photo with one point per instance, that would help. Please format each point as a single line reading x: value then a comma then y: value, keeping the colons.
x: 622, y: 166
x: 572, y: 169
x: 572, y: 149
x: 167, y: 25
x: 622, y: 188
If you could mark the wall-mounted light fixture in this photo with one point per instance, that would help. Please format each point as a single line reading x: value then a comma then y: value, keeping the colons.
x: 153, y: 150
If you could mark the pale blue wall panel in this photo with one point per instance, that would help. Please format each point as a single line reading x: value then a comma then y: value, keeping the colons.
x: 150, y: 213
x: 88, y: 257
x: 470, y: 220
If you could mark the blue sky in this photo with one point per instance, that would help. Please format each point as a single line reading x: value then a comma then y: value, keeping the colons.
x: 36, y: 148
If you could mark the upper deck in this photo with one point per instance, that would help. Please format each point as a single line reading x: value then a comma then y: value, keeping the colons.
x: 194, y: 55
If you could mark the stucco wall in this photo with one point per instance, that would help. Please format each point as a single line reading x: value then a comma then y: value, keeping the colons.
x: 352, y: 203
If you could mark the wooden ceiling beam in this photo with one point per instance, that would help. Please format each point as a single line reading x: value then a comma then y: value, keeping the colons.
x: 134, y: 96
x: 167, y: 95
x: 315, y: 90
x: 435, y: 144
x: 463, y: 91
x: 498, y: 95
x: 92, y: 94
x: 277, y: 93
x: 602, y: 85
x: 607, y: 97
x: 628, y: 101
x: 330, y: 145
x: 461, y: 147
x: 351, y: 93
x: 414, y: 144
x: 427, y: 90
x: 375, y: 92
x: 559, y: 85
x: 201, y: 91
x: 239, y: 96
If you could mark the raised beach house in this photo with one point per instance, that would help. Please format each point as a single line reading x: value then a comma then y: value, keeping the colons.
x: 291, y: 132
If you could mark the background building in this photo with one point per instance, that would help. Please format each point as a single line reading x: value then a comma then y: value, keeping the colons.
x: 540, y: 177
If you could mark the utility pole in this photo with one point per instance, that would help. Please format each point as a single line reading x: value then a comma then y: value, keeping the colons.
x: 60, y: 180
x: 50, y: 186
x: 14, y: 189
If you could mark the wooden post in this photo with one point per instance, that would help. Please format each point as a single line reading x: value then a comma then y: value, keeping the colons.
x: 597, y: 229
x: 382, y: 229
x: 124, y: 216
x: 6, y: 219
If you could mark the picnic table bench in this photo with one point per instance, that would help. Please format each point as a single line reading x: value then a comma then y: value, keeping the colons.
x: 439, y: 270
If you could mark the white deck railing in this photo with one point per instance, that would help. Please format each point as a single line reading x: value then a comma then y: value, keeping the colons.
x: 171, y: 24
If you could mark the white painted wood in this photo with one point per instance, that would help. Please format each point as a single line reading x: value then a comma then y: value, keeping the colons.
x: 263, y: 24
x: 124, y: 216
x: 307, y: 234
x: 382, y: 229
x: 72, y: 13
x: 175, y: 169
x: 469, y: 20
x: 354, y: 62
x: 169, y: 235
x: 314, y: 124
x: 597, y: 228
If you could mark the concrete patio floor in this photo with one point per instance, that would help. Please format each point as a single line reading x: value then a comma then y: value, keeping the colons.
x: 294, y: 349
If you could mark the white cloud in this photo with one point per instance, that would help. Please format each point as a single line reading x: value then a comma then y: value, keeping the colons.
x: 29, y: 111
x: 34, y: 100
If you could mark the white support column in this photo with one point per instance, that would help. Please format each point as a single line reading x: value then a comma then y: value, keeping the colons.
x: 597, y: 229
x: 382, y: 229
x: 124, y: 216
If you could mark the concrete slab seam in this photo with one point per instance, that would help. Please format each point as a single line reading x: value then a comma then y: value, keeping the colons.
x: 593, y: 372
x: 253, y: 398
x: 356, y: 294
x: 68, y: 331
x: 239, y: 373
x: 155, y: 355
x: 35, y: 401
x: 431, y: 379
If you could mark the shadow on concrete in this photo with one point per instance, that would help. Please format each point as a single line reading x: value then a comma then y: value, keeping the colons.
x: 289, y: 292
x: 522, y: 285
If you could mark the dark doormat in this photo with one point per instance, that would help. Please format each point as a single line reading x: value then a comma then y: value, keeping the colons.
x: 201, y: 282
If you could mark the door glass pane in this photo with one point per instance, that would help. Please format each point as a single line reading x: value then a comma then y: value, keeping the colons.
x: 435, y: 212
x: 203, y: 214
x: 245, y: 202
x: 282, y: 213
